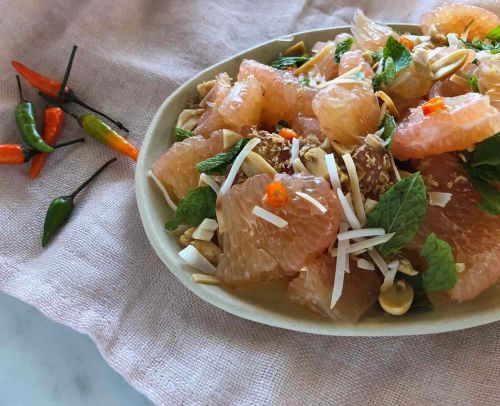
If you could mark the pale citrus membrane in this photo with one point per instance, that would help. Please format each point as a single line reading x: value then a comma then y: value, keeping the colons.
x: 318, y: 127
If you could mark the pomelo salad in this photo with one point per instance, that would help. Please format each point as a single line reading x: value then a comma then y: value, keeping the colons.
x: 364, y: 171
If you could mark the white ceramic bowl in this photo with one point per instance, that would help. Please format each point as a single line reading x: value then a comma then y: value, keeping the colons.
x: 265, y: 304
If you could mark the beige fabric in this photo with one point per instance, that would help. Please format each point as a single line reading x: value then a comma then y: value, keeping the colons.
x: 101, y: 277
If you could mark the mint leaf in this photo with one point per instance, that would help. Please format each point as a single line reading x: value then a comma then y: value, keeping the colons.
x: 473, y: 82
x: 490, y: 195
x: 398, y: 52
x: 421, y: 302
x: 401, y: 210
x: 390, y: 71
x: 284, y: 62
x: 494, y: 34
x: 395, y: 58
x: 487, y: 152
x: 377, y: 82
x: 483, y: 46
x: 390, y: 127
x: 441, y: 274
x: 196, y: 206
x: 180, y: 134
x: 220, y: 162
x: 490, y: 174
x: 375, y: 55
x: 342, y: 48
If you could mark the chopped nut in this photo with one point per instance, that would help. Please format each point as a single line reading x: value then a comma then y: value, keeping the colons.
x: 254, y: 164
x: 449, y: 64
x: 397, y: 299
x: 370, y: 205
x: 187, y: 237
x: 298, y: 166
x: 315, y: 162
x: 208, y: 249
x: 406, y: 267
x: 297, y: 49
x: 206, y: 279
x: 205, y: 87
x: 437, y: 37
x: 188, y: 119
x: 229, y: 138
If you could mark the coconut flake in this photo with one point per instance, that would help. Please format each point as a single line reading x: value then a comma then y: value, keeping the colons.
x: 364, y: 264
x: 237, y: 164
x: 379, y: 261
x: 210, y: 182
x: 365, y: 232
x: 440, y: 199
x: 170, y: 202
x: 294, y: 152
x: 340, y: 265
x: 348, y: 211
x: 389, y: 276
x: 269, y: 217
x: 394, y: 167
x: 313, y: 201
x: 332, y: 170
x: 356, y: 192
x: 367, y: 244
x: 205, y: 231
x: 194, y: 258
x: 205, y: 279
x: 298, y: 166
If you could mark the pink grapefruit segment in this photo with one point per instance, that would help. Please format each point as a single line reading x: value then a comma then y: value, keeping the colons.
x: 176, y: 168
x: 256, y: 250
x: 472, y: 233
x: 313, y: 289
x: 467, y: 119
x: 284, y: 97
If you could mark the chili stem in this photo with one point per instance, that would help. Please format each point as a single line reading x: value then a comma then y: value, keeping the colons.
x: 65, y: 144
x: 66, y: 111
x: 95, y: 175
x: 115, y: 122
x: 20, y: 89
x: 66, y: 75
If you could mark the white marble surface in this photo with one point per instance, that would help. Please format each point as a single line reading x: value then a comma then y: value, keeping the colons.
x: 44, y: 363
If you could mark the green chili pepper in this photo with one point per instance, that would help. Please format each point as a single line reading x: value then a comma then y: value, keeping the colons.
x: 60, y: 208
x: 25, y: 120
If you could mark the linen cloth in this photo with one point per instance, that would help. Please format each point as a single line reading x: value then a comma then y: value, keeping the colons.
x: 101, y: 277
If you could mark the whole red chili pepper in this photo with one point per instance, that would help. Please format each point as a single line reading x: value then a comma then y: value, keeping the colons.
x: 50, y: 89
x: 17, y: 154
x: 53, y: 117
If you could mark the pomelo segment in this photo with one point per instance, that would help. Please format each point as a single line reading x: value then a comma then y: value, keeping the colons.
x: 176, y: 168
x: 313, y: 289
x: 351, y: 59
x: 211, y: 119
x: 488, y: 74
x: 467, y: 119
x: 455, y: 17
x: 369, y: 34
x: 472, y: 233
x: 305, y: 126
x: 243, y: 105
x: 256, y: 250
x: 284, y: 97
x: 347, y: 111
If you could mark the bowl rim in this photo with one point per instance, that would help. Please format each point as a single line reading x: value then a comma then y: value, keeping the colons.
x: 459, y: 322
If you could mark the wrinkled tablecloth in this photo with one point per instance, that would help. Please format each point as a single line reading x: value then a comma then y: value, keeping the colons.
x: 101, y: 277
